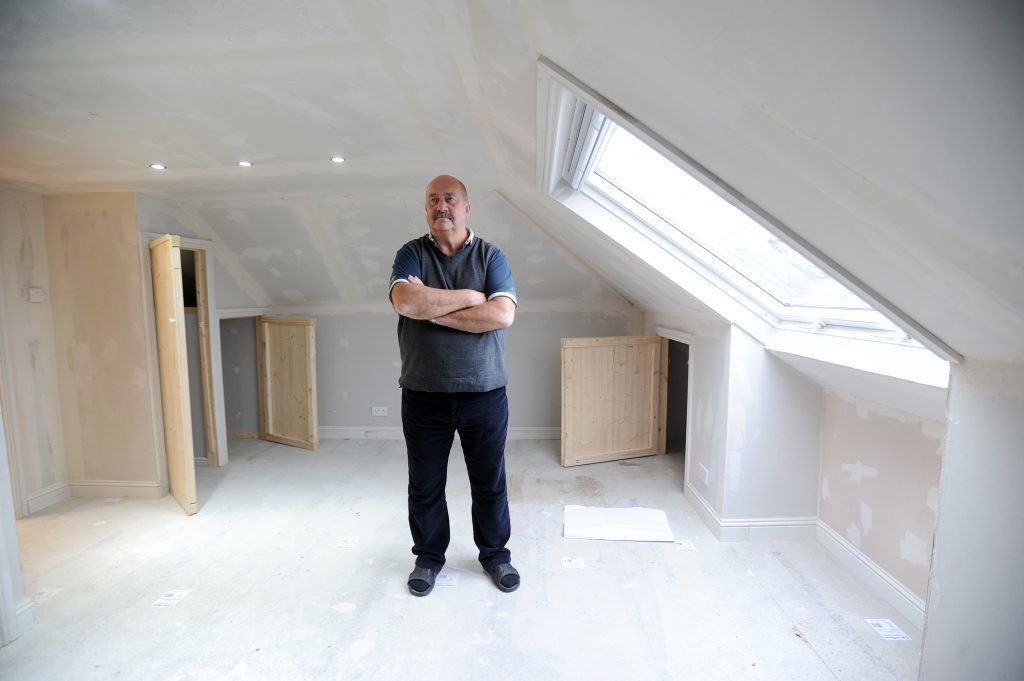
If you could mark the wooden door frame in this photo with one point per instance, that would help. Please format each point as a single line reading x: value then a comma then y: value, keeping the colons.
x: 205, y: 357
x: 212, y: 377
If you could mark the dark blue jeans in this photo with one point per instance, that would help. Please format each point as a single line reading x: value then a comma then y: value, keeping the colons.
x: 430, y: 421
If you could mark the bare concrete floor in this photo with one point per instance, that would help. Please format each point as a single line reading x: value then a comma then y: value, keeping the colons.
x: 296, y: 567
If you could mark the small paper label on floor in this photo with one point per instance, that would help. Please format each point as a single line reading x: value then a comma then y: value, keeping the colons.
x: 45, y: 594
x: 171, y: 598
x: 685, y: 545
x: 347, y: 542
x: 572, y: 562
x: 448, y: 579
x: 888, y: 630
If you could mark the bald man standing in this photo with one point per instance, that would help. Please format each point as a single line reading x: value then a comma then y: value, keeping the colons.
x: 455, y: 297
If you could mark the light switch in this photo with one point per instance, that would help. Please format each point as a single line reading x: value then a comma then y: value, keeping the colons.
x: 36, y: 295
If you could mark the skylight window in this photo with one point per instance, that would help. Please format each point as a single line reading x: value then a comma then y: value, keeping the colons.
x: 694, y: 219
x: 715, y: 243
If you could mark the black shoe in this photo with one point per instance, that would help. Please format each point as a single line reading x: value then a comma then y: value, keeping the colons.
x: 505, y: 576
x: 421, y: 581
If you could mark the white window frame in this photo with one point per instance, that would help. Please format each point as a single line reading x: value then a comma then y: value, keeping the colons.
x: 832, y: 340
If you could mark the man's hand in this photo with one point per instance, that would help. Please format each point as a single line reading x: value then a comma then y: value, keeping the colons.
x: 497, y: 313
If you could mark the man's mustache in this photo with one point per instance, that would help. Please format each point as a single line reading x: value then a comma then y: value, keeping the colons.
x: 442, y: 214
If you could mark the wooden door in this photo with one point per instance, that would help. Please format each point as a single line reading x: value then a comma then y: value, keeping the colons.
x: 613, y: 398
x: 169, y: 305
x: 286, y: 359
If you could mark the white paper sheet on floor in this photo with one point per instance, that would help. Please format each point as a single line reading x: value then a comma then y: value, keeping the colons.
x: 620, y: 524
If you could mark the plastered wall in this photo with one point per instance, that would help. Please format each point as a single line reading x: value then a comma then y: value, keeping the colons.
x: 772, y: 445
x: 879, y: 484
x: 30, y: 386
x: 109, y: 392
x: 975, y: 601
x: 17, y: 613
x: 709, y: 395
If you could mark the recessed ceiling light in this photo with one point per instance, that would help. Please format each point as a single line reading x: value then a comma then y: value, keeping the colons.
x: 337, y: 159
x: 158, y: 166
x: 245, y: 164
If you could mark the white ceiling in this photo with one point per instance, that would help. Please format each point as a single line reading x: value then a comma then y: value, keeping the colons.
x: 886, y: 134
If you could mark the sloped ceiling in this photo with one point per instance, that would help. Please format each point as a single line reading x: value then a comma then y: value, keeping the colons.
x: 886, y: 134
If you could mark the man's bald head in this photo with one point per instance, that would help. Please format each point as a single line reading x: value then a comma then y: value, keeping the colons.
x: 450, y: 178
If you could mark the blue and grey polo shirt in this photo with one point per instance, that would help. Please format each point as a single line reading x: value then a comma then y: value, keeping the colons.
x: 436, y: 358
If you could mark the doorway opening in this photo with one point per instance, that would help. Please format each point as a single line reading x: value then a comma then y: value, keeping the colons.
x: 241, y: 382
x: 269, y: 368
x: 197, y: 344
x: 677, y: 394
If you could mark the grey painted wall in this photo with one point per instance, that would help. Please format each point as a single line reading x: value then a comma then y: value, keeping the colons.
x: 238, y: 352
x: 358, y: 364
x: 195, y: 383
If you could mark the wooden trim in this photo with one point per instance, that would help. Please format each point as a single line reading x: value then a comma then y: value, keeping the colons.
x: 663, y: 398
x: 48, y: 496
x: 261, y: 376
x: 295, y: 321
x: 205, y: 364
x: 603, y: 341
x: 565, y: 406
x: 294, y: 442
x: 240, y: 312
x: 311, y: 422
x: 683, y: 337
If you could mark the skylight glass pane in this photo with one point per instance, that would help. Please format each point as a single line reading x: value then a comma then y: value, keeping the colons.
x: 694, y: 211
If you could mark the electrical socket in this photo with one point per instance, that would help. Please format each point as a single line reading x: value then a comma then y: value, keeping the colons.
x: 703, y: 474
x: 378, y: 411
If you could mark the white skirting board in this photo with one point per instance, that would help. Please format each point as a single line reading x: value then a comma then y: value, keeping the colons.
x: 25, y: 619
x: 740, y: 529
x: 48, y: 496
x: 909, y: 604
x: 129, y: 489
x: 26, y: 614
x: 879, y: 581
x: 395, y: 433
